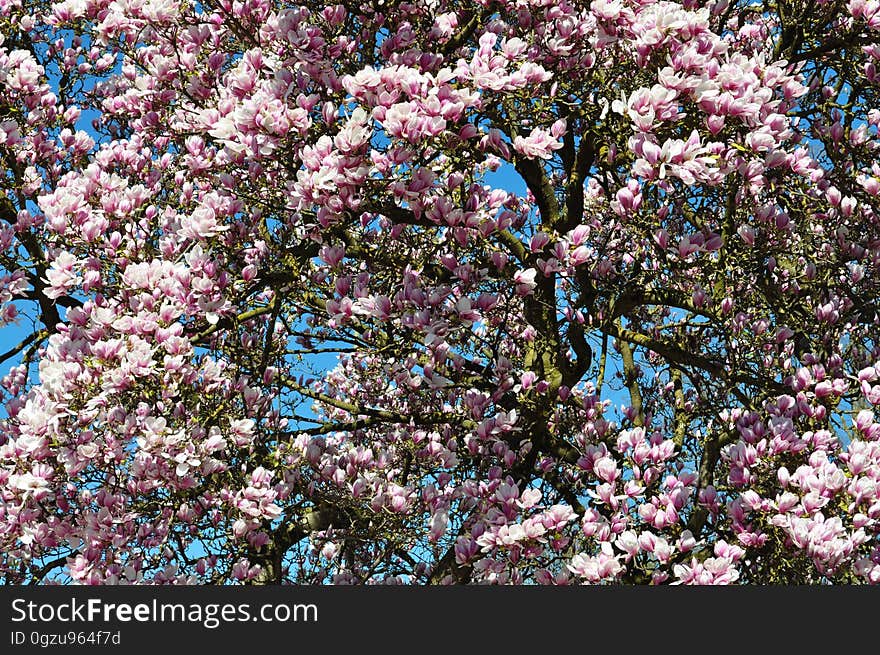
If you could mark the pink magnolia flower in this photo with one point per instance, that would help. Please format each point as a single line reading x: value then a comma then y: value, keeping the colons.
x: 539, y: 144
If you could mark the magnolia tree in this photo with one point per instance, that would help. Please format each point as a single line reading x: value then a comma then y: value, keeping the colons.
x: 384, y: 292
